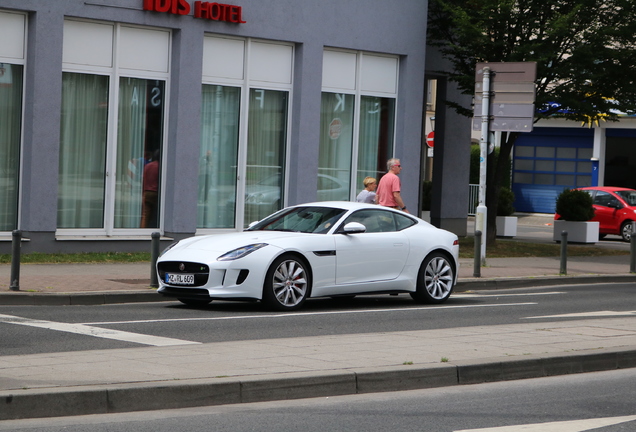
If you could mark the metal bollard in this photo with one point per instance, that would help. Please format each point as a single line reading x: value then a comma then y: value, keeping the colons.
x: 477, y: 262
x: 564, y: 253
x: 632, y: 249
x: 154, y: 256
x: 16, y: 240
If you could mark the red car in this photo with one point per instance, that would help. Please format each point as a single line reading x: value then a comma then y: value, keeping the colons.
x: 614, y: 209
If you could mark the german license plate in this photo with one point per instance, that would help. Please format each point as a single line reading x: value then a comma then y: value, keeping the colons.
x: 179, y: 279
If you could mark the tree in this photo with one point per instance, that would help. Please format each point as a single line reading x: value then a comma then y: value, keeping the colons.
x: 585, y: 52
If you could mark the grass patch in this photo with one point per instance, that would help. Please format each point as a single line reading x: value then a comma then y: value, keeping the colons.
x: 86, y: 258
x: 511, y: 248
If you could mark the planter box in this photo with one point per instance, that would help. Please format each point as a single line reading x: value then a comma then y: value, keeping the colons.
x: 578, y: 232
x: 506, y: 226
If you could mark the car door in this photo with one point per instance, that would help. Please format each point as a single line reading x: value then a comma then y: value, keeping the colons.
x: 378, y: 254
x: 603, y: 213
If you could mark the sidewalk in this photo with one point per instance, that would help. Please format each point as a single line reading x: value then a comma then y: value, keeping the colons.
x: 192, y: 374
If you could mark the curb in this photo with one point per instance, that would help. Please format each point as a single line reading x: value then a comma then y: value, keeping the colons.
x: 120, y: 398
x: 116, y: 297
x: 467, y: 284
x: 83, y: 298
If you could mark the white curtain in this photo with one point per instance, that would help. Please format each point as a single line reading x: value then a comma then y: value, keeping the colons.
x: 82, y: 163
x: 218, y: 156
x: 10, y: 122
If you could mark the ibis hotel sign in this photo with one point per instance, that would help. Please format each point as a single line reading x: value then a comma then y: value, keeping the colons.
x: 205, y: 10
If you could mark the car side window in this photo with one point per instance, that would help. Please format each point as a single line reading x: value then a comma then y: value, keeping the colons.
x: 603, y: 198
x: 402, y: 221
x: 378, y: 221
x: 374, y: 220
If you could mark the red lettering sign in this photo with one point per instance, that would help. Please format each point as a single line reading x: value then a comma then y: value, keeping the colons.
x: 177, y: 7
x: 218, y: 12
x: 205, y: 10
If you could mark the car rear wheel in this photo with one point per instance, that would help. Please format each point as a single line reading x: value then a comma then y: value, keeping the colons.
x: 626, y: 230
x: 194, y: 302
x: 287, y: 283
x: 435, y: 279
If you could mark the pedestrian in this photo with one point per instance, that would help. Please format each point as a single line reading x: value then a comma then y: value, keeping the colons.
x: 367, y: 195
x: 388, y: 193
x: 150, y: 194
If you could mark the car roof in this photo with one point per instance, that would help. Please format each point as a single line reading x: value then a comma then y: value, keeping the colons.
x: 607, y: 188
x: 345, y: 205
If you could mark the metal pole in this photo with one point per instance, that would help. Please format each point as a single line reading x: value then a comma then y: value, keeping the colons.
x: 477, y: 262
x: 482, y: 211
x: 16, y: 240
x: 154, y: 256
x: 632, y: 249
x: 564, y: 253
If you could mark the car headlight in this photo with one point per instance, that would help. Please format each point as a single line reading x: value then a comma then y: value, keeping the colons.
x: 241, y: 252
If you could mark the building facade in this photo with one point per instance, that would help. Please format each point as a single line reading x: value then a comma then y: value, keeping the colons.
x: 127, y: 117
x: 561, y: 154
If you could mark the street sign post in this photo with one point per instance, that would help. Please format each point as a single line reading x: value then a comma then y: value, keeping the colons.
x: 504, y: 102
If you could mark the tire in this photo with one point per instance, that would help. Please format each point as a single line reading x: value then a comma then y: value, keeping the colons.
x: 626, y: 231
x: 287, y: 283
x: 195, y: 303
x: 435, y: 279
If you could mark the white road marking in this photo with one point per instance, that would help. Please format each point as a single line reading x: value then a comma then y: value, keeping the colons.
x: 87, y: 330
x: 593, y: 314
x: 300, y: 314
x: 494, y: 294
x: 564, y: 426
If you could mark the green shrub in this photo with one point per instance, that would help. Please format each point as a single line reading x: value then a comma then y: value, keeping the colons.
x: 505, y: 203
x: 575, y: 205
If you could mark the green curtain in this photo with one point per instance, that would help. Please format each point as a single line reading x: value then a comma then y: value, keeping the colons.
x: 139, y: 136
x: 266, y: 143
x: 10, y: 123
x: 82, y: 163
x: 218, y: 157
x: 376, y: 136
x: 336, y: 145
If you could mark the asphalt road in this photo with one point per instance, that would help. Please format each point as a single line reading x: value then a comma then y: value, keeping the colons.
x: 232, y: 321
x: 602, y: 402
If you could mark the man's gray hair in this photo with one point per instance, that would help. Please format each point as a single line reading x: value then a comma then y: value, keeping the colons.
x: 391, y: 162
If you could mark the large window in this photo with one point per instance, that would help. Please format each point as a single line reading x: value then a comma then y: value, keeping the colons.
x: 112, y: 129
x: 218, y: 159
x: 11, y: 74
x: 244, y: 122
x: 357, y: 121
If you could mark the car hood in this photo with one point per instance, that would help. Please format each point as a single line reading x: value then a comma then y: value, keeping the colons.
x: 222, y: 243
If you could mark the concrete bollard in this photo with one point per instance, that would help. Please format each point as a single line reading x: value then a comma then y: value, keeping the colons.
x: 564, y: 253
x: 154, y: 256
x: 477, y: 262
x: 16, y: 241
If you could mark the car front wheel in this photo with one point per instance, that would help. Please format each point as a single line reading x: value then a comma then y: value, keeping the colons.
x: 287, y: 283
x: 626, y: 230
x: 435, y: 279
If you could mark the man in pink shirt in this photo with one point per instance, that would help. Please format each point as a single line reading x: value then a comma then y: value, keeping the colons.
x: 388, y: 192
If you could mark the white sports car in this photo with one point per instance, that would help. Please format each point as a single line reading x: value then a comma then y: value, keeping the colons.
x: 325, y: 249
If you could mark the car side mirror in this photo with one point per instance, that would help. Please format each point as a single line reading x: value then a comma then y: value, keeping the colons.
x: 354, y: 228
x: 615, y: 204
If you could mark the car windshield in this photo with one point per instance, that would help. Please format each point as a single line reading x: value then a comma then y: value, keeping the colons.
x: 315, y: 220
x: 628, y: 196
